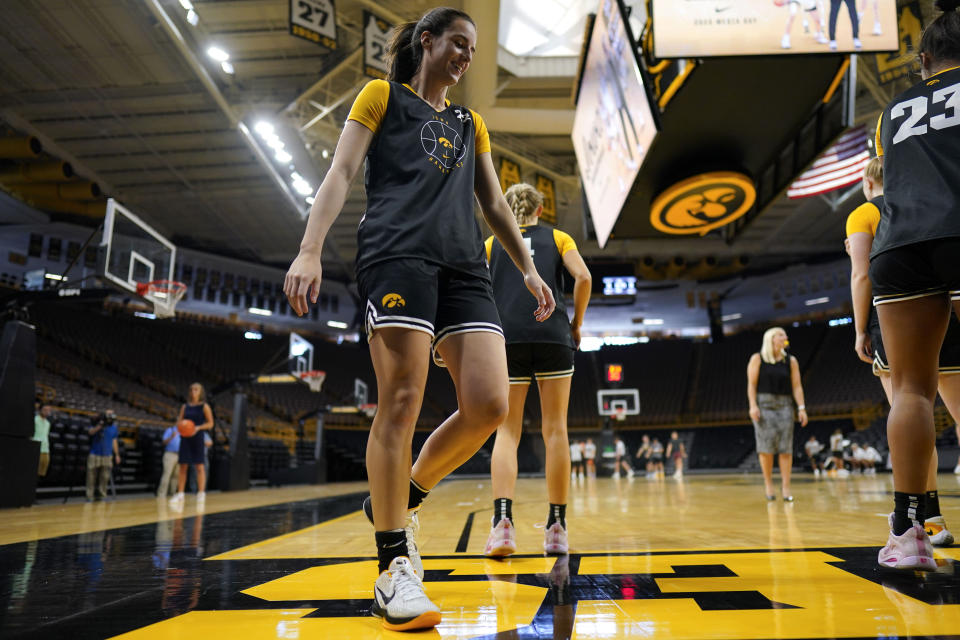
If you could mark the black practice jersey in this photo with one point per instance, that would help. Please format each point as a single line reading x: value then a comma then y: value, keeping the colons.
x: 919, y: 139
x: 514, y: 302
x: 419, y: 180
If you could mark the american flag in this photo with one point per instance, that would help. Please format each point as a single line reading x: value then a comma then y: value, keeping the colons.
x: 839, y: 166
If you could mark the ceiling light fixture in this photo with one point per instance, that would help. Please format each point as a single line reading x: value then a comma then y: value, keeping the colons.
x: 218, y: 54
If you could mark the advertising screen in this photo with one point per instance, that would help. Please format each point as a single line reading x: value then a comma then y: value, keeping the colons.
x: 702, y: 28
x: 614, y: 125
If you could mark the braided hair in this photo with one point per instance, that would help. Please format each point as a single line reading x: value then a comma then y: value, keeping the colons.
x: 524, y: 200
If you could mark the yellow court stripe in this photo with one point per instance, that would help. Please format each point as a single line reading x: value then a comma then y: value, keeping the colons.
x: 234, y: 553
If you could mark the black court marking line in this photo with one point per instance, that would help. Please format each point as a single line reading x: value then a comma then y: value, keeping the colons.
x: 465, y: 534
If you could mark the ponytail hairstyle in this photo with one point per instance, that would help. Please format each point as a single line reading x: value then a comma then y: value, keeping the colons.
x: 406, y: 52
x: 524, y: 200
x: 941, y: 39
x: 874, y: 171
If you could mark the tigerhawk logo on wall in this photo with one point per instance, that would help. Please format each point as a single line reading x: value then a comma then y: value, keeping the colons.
x: 703, y: 203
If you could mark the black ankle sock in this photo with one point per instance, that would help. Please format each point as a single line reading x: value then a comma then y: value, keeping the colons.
x: 502, y: 508
x: 908, y: 510
x: 558, y: 513
x: 931, y: 507
x: 417, y: 494
x: 390, y: 545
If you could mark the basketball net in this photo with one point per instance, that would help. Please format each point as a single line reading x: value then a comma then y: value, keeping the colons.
x: 619, y: 414
x: 163, y: 294
x: 313, y: 379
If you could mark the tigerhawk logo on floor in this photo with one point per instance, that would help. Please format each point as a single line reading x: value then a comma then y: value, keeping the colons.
x: 743, y: 594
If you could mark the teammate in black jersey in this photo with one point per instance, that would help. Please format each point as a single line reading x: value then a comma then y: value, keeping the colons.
x: 541, y: 351
x: 422, y: 276
x: 915, y: 270
x: 861, y: 228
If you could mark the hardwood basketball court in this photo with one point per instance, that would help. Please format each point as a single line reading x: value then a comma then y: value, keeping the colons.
x: 706, y: 557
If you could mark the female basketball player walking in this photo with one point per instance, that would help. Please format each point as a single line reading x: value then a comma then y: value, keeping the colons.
x: 915, y: 270
x: 422, y: 276
x: 861, y: 229
x: 535, y: 351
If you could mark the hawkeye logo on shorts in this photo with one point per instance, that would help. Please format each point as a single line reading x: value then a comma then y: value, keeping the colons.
x: 443, y: 144
x: 703, y: 203
x: 393, y: 301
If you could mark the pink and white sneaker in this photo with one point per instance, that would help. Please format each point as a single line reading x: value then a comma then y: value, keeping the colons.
x: 911, y: 551
x: 502, y: 540
x: 555, y: 540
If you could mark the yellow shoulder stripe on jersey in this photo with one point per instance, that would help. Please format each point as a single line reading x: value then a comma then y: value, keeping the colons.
x: 564, y: 242
x: 371, y: 104
x: 879, y: 145
x: 864, y: 218
x: 481, y: 135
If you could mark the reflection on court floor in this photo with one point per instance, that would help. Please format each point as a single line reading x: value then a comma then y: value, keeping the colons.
x: 639, y: 569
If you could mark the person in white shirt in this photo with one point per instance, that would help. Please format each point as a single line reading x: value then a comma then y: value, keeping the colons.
x: 589, y: 456
x: 813, y: 447
x: 621, y: 460
x: 576, y: 459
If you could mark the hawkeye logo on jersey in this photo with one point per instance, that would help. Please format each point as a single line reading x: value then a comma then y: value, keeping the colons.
x: 393, y: 301
x: 703, y: 203
x: 443, y: 144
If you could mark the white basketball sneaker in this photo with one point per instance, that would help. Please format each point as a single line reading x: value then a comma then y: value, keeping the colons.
x: 911, y: 550
x: 785, y: 41
x: 936, y: 528
x: 502, y: 540
x: 399, y: 600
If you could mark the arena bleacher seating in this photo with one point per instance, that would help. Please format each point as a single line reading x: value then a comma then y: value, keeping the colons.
x: 91, y: 359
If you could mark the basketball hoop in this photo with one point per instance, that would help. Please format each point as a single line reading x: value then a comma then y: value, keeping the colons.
x: 619, y: 414
x: 313, y: 379
x: 368, y: 410
x: 163, y: 294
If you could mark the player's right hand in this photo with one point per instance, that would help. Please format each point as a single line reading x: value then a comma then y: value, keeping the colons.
x: 755, y: 413
x: 863, y: 348
x: 303, y: 281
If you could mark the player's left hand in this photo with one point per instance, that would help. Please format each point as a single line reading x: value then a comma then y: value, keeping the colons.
x: 575, y: 332
x: 802, y: 417
x: 545, y: 302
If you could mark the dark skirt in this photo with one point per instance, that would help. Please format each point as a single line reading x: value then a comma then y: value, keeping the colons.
x: 191, y: 449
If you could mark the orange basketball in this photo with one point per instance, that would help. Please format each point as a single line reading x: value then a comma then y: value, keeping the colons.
x: 186, y: 428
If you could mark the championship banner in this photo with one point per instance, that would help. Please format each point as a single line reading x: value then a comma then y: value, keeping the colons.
x: 891, y: 66
x: 376, y: 34
x: 314, y: 20
x: 546, y: 187
x: 509, y: 174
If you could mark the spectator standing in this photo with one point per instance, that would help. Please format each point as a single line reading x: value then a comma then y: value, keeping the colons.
x: 773, y: 385
x: 622, y: 459
x: 589, y: 457
x: 171, y: 456
x: 104, y: 451
x: 41, y: 433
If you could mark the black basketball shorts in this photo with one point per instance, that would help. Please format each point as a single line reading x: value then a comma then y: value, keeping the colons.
x: 949, y: 352
x: 540, y: 360
x: 422, y: 296
x: 917, y: 270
